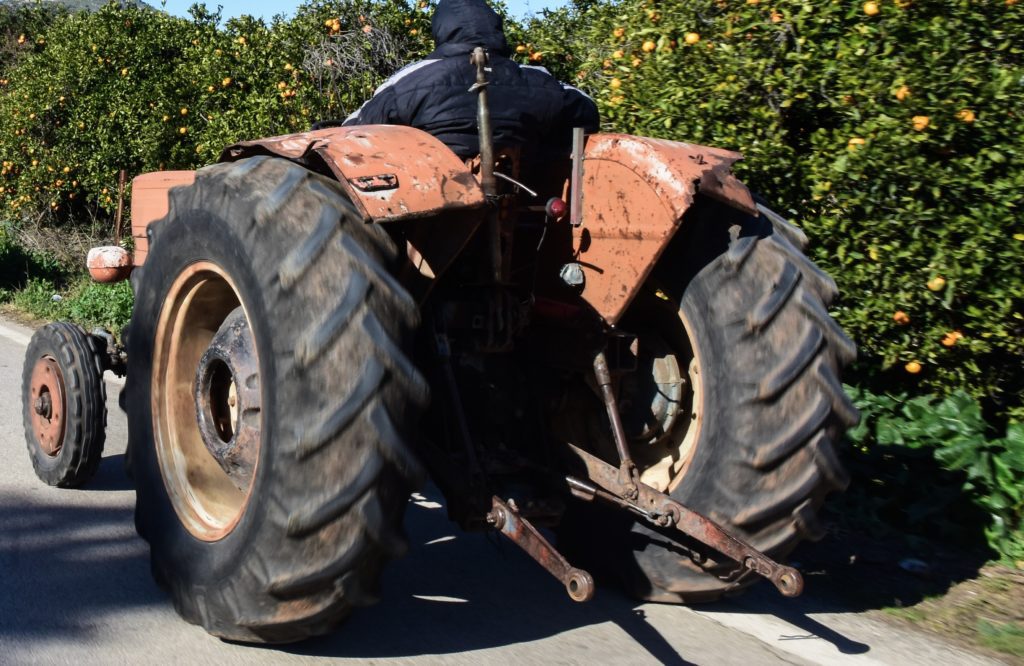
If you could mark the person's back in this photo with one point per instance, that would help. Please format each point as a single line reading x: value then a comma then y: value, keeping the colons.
x: 528, y: 106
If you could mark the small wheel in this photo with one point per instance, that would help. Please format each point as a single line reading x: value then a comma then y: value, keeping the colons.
x: 64, y: 405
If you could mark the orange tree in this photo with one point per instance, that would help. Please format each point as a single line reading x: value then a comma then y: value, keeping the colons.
x: 140, y: 90
x: 889, y: 130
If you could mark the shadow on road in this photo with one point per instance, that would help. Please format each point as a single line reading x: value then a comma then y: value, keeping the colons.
x: 456, y: 592
x: 66, y: 566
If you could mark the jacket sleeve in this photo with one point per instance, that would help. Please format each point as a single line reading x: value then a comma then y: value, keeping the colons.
x: 579, y: 110
x: 380, y: 109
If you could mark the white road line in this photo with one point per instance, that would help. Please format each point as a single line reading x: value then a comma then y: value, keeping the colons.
x: 14, y: 336
x: 20, y: 338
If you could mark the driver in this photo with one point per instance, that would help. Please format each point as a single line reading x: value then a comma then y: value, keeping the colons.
x: 528, y: 106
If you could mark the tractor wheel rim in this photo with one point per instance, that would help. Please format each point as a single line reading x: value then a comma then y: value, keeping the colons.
x: 208, y: 500
x: 48, y: 405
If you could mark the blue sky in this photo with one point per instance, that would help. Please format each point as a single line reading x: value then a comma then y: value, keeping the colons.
x: 267, y: 8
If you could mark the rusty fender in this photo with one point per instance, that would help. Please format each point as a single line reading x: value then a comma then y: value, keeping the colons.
x: 635, y: 192
x: 391, y: 173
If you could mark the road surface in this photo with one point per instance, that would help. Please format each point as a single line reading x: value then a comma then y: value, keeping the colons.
x: 75, y: 588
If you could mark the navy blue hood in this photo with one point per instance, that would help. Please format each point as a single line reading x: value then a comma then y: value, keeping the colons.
x: 461, y: 25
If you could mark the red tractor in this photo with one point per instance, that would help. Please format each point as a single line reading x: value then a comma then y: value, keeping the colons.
x: 625, y: 346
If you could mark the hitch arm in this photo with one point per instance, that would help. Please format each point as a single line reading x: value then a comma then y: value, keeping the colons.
x: 504, y: 518
x: 663, y: 511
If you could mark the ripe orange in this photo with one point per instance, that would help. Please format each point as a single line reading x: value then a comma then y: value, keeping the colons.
x: 619, y: 32
x: 648, y: 46
x: 966, y: 115
x: 951, y: 338
x: 901, y: 318
x: 691, y: 38
x: 184, y: 111
x: 902, y: 93
x: 521, y: 48
x: 226, y: 82
x: 870, y: 8
x: 615, y: 84
x: 183, y: 130
x: 618, y: 54
x: 912, y: 367
x: 936, y: 283
x: 536, y: 57
x: 854, y: 142
x: 921, y: 122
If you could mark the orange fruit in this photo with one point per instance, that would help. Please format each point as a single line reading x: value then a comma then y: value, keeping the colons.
x: 951, y: 338
x: 854, y: 142
x: 902, y: 93
x: 936, y: 283
x: 912, y: 367
x: 776, y: 17
x: 618, y: 54
x: 870, y: 8
x: 226, y: 81
x: 691, y: 38
x: 648, y: 46
x: 615, y: 84
x: 966, y: 115
x: 184, y: 111
x: 536, y: 57
x: 901, y: 318
x: 619, y: 32
x: 521, y: 48
x: 920, y: 122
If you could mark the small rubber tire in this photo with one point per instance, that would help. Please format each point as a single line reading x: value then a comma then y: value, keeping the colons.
x: 339, y: 398
x: 85, y: 410
x: 773, y: 408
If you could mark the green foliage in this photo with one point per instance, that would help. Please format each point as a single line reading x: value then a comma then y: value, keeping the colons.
x: 1002, y: 636
x: 17, y: 265
x: 920, y: 457
x: 81, y: 301
x: 894, y: 139
x: 136, y: 89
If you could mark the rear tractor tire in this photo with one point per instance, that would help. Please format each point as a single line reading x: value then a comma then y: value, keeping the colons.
x: 754, y: 444
x: 64, y: 404
x: 269, y: 401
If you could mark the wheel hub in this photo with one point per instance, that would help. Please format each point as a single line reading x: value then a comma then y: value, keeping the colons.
x: 47, y: 395
x: 227, y: 399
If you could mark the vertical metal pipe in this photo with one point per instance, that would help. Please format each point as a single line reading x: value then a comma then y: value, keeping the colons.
x: 487, y: 180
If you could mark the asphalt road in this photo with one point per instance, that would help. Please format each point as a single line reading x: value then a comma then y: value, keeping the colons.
x: 75, y: 588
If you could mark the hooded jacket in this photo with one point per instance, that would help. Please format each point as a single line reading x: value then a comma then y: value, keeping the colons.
x: 528, y: 106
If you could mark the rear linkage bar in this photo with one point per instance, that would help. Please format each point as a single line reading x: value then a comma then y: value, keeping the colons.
x: 621, y: 486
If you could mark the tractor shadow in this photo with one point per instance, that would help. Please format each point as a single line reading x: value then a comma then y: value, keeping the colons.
x: 67, y: 564
x: 457, y: 592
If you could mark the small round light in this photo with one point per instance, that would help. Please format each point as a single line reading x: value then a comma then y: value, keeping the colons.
x: 556, y: 208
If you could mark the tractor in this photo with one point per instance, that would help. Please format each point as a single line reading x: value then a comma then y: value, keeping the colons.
x: 619, y: 359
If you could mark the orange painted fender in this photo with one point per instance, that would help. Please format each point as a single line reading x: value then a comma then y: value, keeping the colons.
x: 635, y: 193
x: 390, y: 172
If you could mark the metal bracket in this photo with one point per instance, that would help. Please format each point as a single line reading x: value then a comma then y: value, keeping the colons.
x: 375, y: 183
x: 504, y: 518
x: 663, y: 511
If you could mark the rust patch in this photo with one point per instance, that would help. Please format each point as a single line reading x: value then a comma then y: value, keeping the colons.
x: 48, y: 405
x: 635, y: 192
x: 429, y: 177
